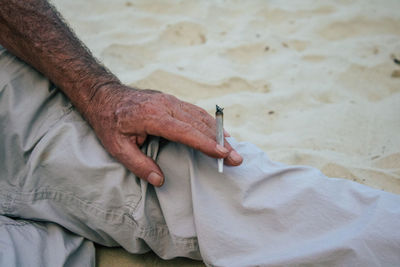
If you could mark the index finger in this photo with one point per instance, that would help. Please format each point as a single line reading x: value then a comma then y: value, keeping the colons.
x: 182, y: 132
x: 198, y: 114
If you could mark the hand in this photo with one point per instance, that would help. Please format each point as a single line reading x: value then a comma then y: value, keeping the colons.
x: 122, y: 117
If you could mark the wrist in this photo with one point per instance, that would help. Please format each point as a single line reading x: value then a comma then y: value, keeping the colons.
x: 103, y: 102
x: 85, y: 93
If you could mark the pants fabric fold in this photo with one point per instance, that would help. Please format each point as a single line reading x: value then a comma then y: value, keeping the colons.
x: 28, y: 243
x: 262, y: 213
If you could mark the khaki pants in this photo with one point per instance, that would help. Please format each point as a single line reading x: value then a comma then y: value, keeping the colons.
x: 261, y: 213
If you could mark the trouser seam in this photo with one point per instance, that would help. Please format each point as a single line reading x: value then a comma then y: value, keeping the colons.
x: 158, y: 231
x: 15, y: 223
x: 13, y: 200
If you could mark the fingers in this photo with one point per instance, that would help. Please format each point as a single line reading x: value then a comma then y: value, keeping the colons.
x: 198, y: 118
x: 233, y: 159
x: 175, y: 120
x: 182, y: 132
x: 206, y: 124
x: 132, y: 157
x: 199, y: 114
x: 196, y: 123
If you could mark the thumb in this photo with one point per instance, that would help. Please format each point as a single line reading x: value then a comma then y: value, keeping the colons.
x: 140, y: 164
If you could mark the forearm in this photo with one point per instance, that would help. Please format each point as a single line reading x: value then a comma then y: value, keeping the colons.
x: 122, y: 118
x: 34, y: 32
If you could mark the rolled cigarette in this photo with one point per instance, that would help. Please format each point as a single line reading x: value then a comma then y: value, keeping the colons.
x: 219, y: 116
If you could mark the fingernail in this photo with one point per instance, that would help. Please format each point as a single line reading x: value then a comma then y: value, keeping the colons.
x: 226, y: 134
x: 222, y: 149
x: 155, y: 179
x: 235, y: 157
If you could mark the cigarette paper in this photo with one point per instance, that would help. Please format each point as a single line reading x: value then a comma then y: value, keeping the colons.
x: 219, y: 116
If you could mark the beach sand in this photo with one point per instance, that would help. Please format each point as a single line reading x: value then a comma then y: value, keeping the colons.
x: 310, y: 82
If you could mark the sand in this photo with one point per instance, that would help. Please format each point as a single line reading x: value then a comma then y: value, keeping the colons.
x: 311, y: 83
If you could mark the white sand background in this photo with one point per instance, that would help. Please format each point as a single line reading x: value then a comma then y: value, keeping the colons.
x: 310, y: 82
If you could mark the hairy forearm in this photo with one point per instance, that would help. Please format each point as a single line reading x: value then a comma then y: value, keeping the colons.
x: 122, y: 118
x: 34, y: 31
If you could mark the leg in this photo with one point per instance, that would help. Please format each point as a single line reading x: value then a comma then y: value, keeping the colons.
x: 56, y: 170
x: 27, y: 243
x: 257, y: 214
x: 265, y: 213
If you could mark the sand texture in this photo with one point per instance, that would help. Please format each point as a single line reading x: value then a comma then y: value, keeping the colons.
x: 310, y: 82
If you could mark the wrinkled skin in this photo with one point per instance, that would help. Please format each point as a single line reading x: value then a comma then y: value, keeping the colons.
x: 123, y: 117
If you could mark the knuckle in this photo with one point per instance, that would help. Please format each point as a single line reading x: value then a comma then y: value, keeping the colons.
x: 168, y: 100
x: 149, y: 112
x: 206, y: 116
x: 200, y: 126
x: 186, y: 128
x: 157, y: 124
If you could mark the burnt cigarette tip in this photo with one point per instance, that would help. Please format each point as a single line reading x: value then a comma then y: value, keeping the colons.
x: 219, y: 110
